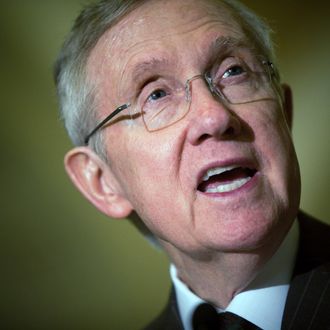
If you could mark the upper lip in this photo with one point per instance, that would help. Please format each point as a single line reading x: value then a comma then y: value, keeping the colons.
x: 215, y: 171
x: 219, y: 167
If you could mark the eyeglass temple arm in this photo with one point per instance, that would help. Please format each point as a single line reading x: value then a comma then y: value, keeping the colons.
x: 105, y: 120
x: 271, y: 69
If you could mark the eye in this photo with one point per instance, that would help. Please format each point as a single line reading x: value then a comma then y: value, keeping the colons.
x: 235, y: 70
x: 231, y: 71
x: 157, y: 94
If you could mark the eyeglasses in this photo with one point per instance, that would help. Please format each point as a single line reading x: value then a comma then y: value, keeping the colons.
x: 166, y: 100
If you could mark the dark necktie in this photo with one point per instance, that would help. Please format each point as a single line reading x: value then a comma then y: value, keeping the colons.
x: 206, y: 318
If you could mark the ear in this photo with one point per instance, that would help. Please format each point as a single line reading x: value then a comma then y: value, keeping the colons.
x: 95, y: 180
x: 287, y: 104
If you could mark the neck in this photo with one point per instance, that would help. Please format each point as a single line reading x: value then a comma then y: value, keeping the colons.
x: 220, y: 276
x: 219, y: 280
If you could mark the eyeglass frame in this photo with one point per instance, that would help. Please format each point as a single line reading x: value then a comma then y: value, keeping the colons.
x: 204, y: 76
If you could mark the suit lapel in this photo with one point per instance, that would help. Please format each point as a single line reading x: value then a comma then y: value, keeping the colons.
x: 169, y: 319
x: 308, y: 301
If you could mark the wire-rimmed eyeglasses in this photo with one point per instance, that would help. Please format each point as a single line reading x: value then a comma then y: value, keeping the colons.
x: 166, y: 101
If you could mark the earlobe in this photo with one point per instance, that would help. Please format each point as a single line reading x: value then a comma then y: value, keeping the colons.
x: 288, y: 104
x: 95, y: 180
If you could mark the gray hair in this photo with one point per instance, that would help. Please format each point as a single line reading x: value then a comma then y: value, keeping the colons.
x: 76, y: 93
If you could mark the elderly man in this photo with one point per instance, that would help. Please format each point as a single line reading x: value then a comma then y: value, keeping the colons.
x: 182, y: 124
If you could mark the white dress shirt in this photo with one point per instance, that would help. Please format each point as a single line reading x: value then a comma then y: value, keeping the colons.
x: 263, y: 301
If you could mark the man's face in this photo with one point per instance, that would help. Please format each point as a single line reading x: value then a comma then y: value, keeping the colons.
x: 161, y: 173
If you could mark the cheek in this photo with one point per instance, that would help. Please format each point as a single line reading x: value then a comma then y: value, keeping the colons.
x: 277, y: 153
x: 149, y: 177
x: 272, y: 134
x: 144, y: 166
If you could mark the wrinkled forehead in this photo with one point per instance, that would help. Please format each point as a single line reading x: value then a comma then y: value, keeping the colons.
x: 159, y: 26
x: 163, y: 18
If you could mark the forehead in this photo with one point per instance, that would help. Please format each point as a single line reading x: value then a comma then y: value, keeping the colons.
x: 166, y: 29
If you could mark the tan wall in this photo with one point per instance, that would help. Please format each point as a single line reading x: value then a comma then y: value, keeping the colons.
x: 64, y: 265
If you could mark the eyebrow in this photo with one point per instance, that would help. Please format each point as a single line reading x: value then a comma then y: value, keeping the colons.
x: 224, y: 45
x: 221, y: 45
x: 148, y: 66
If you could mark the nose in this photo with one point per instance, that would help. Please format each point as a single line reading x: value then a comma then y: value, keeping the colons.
x: 210, y: 116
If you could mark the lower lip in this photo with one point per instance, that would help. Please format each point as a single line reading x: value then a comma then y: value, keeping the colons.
x: 242, y: 189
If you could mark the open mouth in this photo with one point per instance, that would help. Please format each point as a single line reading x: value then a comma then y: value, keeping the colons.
x: 225, y: 179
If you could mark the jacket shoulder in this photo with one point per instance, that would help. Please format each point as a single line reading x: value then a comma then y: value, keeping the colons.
x: 169, y: 318
x: 314, y: 243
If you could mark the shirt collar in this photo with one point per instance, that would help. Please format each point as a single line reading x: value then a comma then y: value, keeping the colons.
x: 263, y: 301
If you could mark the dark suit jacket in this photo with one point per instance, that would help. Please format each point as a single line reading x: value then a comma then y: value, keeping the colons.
x: 308, y: 301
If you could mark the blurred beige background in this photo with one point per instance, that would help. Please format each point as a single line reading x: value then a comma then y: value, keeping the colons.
x: 63, y: 264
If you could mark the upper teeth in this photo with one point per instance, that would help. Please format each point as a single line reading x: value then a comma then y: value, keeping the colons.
x: 216, y: 171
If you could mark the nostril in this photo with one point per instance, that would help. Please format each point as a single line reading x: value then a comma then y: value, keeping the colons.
x: 203, y: 137
x: 230, y: 131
